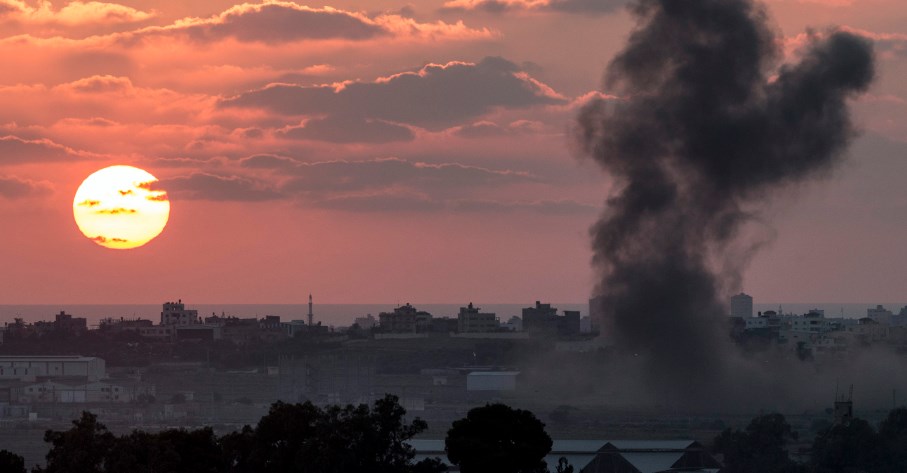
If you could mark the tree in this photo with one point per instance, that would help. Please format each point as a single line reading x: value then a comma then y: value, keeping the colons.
x: 851, y: 447
x: 10, y: 462
x: 81, y: 449
x: 306, y: 438
x: 893, y: 438
x: 497, y: 438
x: 759, y: 448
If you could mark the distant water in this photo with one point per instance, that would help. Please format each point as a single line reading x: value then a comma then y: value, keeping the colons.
x: 344, y: 314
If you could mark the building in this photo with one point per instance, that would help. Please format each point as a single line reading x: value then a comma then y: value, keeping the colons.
x: 543, y: 320
x: 880, y: 315
x: 31, y: 367
x: 175, y: 313
x: 471, y: 319
x: 614, y: 456
x: 492, y: 380
x: 742, y: 306
x: 366, y: 323
x: 404, y: 319
x: 79, y: 390
x: 651, y: 456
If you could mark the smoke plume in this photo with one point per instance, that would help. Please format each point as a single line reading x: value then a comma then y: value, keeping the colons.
x: 709, y: 124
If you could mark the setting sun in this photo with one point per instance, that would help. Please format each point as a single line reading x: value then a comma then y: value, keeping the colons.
x: 116, y: 207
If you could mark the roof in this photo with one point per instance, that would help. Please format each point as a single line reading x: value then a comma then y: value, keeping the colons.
x: 48, y: 358
x: 493, y: 373
x: 651, y: 445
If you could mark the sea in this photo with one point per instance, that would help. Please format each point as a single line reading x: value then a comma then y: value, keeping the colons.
x: 340, y: 315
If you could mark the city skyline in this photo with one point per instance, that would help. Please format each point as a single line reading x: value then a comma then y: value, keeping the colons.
x: 386, y: 151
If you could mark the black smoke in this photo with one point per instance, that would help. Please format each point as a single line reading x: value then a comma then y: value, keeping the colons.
x: 710, y: 124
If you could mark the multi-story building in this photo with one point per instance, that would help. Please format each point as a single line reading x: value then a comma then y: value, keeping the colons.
x: 405, y: 319
x: 543, y: 319
x: 471, y: 319
x: 742, y: 306
x: 175, y: 313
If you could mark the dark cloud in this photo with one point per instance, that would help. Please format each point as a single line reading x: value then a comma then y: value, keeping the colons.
x: 202, y: 186
x: 710, y: 129
x: 103, y: 239
x: 15, y: 188
x: 335, y: 129
x: 15, y: 150
x: 116, y: 211
x: 435, y: 97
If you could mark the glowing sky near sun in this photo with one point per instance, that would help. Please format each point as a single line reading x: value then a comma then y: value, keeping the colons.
x: 381, y: 151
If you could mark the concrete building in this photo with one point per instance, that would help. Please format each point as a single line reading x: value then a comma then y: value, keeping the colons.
x: 492, y: 381
x: 175, y: 313
x: 366, y: 323
x: 742, y: 306
x: 30, y: 367
x: 405, y: 319
x: 880, y: 315
x: 651, y: 456
x: 70, y: 390
x: 472, y: 320
x: 543, y: 320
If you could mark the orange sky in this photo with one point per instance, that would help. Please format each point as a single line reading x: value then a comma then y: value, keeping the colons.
x: 380, y: 152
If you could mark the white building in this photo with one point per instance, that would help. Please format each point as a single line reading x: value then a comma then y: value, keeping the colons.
x: 880, y: 315
x: 742, y: 306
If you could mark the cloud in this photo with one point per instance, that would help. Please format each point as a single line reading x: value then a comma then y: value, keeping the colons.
x: 116, y: 211
x: 202, y: 186
x: 405, y: 202
x: 566, y: 6
x: 276, y: 22
x: 72, y: 14
x: 434, y: 97
x: 16, y: 188
x: 335, y: 129
x: 89, y: 203
x: 268, y: 161
x: 488, y: 129
x: 15, y: 150
x: 393, y: 173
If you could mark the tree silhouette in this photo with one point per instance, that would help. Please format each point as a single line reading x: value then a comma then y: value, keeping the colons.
x: 10, y: 462
x: 83, y: 448
x: 498, y: 439
x: 759, y: 448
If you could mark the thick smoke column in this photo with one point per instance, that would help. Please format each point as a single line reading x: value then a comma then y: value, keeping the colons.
x: 709, y: 126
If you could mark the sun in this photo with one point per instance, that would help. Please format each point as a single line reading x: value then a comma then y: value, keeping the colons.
x: 118, y: 207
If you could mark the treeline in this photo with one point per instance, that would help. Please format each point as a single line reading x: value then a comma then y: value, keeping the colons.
x: 303, y: 438
x: 851, y: 446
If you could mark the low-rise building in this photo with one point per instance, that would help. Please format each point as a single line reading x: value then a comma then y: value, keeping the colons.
x: 32, y: 367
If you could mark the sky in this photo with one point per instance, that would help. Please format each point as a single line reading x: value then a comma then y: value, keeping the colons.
x: 384, y: 151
